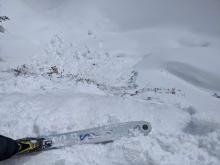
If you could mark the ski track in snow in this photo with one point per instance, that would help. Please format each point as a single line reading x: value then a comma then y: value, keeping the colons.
x: 76, y: 70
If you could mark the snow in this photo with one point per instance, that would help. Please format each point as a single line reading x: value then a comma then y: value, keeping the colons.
x: 69, y: 65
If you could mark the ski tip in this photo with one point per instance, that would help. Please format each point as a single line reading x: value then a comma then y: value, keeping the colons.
x: 145, y: 127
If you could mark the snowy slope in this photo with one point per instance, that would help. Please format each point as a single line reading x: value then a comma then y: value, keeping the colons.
x: 69, y: 65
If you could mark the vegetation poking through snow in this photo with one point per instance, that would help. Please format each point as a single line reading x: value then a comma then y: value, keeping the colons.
x: 21, y: 70
x: 2, y: 19
x: 56, y: 71
x: 216, y: 95
x: 129, y: 89
x: 132, y: 79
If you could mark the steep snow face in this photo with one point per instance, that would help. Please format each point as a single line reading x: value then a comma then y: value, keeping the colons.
x: 200, y: 16
x: 70, y: 65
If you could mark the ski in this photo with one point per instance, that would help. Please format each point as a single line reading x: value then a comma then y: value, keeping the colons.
x: 96, y: 135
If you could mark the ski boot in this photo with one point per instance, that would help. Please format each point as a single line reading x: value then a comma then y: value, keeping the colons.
x: 28, y: 145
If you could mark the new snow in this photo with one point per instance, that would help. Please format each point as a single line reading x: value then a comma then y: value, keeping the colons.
x: 67, y: 65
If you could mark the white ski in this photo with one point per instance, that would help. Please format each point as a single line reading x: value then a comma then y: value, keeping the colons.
x: 103, y: 134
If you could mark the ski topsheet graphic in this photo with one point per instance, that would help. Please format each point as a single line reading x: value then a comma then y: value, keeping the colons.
x: 96, y: 135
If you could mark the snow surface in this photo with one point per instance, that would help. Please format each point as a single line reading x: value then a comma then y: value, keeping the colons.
x: 69, y: 65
